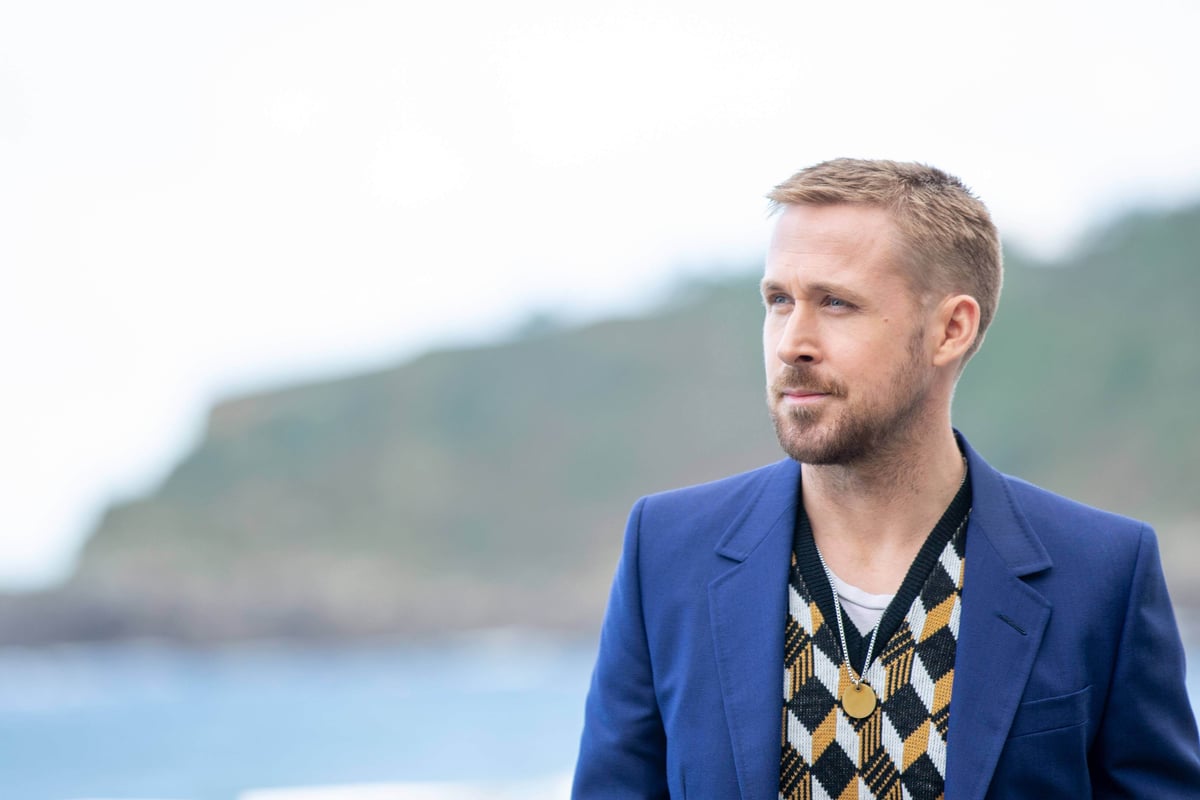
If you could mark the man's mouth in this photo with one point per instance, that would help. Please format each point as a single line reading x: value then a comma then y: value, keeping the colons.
x: 802, y: 396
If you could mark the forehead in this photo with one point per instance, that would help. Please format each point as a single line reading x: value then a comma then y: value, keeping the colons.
x: 835, y: 240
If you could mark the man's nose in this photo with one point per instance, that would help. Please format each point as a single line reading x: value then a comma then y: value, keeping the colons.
x: 798, y: 341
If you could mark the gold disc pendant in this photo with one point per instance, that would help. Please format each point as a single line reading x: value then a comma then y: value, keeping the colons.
x: 859, y: 700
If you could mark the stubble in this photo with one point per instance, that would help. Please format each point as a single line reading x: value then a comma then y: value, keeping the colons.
x: 845, y: 430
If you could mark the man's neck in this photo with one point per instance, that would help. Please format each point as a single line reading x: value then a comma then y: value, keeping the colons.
x: 869, y: 519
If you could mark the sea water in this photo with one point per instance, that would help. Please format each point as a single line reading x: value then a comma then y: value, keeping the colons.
x: 153, y: 721
x: 148, y: 720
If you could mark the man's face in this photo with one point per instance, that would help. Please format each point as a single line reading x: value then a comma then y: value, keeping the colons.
x: 848, y: 366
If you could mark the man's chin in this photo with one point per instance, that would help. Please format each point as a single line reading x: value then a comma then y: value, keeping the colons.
x: 815, y: 445
x: 804, y: 454
x: 801, y: 444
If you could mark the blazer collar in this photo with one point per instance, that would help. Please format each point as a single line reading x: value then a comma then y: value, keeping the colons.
x: 996, y: 516
x: 775, y: 502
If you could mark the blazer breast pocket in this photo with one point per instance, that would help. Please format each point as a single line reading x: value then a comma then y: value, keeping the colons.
x: 1051, y: 713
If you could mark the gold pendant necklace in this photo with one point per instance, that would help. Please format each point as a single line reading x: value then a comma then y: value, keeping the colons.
x: 859, y: 699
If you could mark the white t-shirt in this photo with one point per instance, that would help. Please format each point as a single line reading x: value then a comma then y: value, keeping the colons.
x: 863, y: 609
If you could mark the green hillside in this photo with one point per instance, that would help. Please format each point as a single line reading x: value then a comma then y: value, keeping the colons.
x: 1090, y: 380
x: 489, y: 485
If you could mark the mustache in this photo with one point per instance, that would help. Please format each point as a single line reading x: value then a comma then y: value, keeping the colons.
x: 804, y: 378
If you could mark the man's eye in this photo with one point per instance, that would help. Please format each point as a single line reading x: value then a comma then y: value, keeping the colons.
x: 837, y: 302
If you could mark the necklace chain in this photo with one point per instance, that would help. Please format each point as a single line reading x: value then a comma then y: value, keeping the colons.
x: 837, y: 605
x: 837, y: 611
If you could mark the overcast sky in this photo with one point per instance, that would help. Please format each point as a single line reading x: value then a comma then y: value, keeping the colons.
x: 201, y: 197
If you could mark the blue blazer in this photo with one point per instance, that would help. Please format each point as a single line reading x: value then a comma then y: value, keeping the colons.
x: 1069, y: 676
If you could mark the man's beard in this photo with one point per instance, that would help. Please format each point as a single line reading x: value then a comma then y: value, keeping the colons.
x: 835, y: 433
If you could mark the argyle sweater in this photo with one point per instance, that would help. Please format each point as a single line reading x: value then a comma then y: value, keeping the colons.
x: 898, y: 751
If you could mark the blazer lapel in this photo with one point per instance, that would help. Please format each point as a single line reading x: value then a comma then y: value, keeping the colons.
x: 747, y: 607
x: 1003, y: 620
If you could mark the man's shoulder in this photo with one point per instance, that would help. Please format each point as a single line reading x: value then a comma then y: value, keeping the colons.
x: 1043, y: 504
x: 1068, y: 528
x: 714, y: 505
x: 1015, y: 503
x: 682, y: 527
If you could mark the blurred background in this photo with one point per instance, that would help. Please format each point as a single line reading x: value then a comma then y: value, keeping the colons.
x: 338, y: 339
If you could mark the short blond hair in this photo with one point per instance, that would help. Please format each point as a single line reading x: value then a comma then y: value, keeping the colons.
x: 947, y: 235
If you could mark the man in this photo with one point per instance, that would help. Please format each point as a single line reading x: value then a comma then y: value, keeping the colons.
x: 883, y: 615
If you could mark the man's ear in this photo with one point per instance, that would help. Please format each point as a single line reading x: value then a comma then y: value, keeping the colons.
x: 955, y: 325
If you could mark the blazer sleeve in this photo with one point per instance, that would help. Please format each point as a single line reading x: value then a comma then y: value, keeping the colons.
x: 623, y: 749
x: 1147, y: 743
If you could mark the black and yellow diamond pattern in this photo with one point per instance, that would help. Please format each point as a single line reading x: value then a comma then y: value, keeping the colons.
x: 899, y: 750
